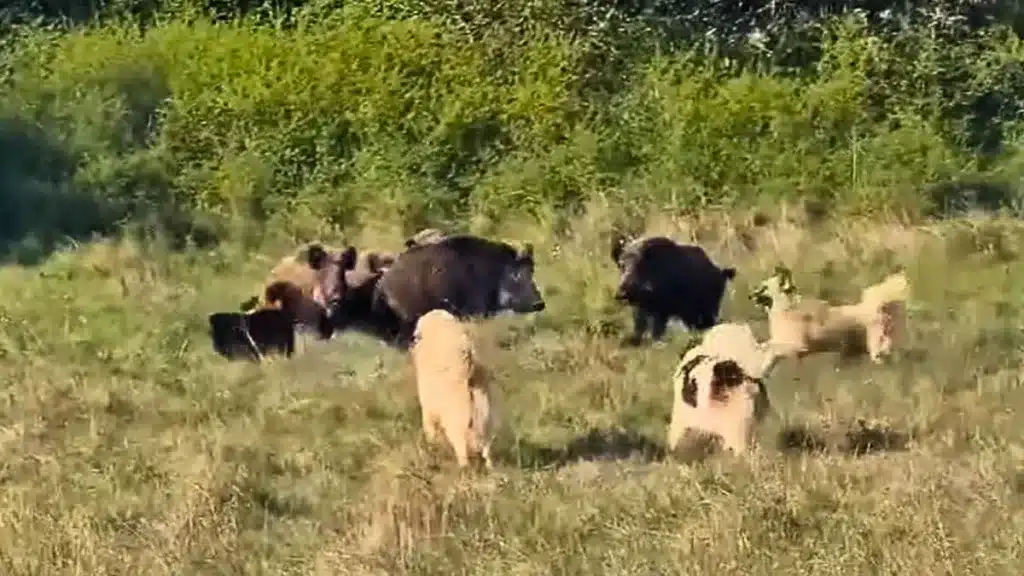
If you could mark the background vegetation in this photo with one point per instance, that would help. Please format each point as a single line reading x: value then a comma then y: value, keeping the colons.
x: 220, y: 120
x: 840, y: 138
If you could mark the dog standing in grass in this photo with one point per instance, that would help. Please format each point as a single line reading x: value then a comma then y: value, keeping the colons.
x: 801, y: 326
x: 718, y: 387
x: 455, y: 392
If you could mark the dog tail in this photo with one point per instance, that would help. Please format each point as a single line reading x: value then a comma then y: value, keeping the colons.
x: 894, y: 288
x: 729, y: 273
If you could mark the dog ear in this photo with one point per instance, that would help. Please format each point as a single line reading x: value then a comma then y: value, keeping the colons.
x: 725, y: 374
x: 689, y: 392
x: 684, y: 373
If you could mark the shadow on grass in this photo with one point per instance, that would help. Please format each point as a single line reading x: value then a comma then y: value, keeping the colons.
x: 861, y: 439
x: 603, y: 445
x: 596, y: 445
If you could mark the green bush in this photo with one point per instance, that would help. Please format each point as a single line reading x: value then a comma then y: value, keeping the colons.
x: 215, y: 129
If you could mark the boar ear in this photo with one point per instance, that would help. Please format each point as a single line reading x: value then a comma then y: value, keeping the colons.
x: 379, y: 262
x: 348, y: 258
x: 316, y: 256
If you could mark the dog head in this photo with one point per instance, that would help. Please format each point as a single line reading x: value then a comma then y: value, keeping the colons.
x: 777, y: 286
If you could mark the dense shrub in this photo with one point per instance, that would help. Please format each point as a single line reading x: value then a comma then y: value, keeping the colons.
x: 432, y: 111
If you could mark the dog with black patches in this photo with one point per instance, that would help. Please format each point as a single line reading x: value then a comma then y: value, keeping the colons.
x: 719, y: 390
x: 662, y: 279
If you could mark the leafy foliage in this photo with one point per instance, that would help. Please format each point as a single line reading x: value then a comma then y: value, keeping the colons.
x: 212, y: 119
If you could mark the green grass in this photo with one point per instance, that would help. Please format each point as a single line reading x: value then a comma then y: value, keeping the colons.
x: 127, y: 447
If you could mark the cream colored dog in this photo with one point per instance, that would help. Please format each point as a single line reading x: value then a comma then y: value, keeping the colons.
x: 456, y: 397
x: 801, y: 326
x: 718, y: 387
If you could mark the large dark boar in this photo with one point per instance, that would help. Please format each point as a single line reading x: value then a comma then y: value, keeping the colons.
x: 662, y: 279
x: 466, y: 275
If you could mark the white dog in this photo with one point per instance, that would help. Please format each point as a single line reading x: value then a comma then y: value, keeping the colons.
x: 801, y: 326
x: 455, y: 393
x: 718, y: 387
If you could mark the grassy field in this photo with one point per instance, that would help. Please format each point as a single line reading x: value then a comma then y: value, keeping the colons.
x: 127, y: 447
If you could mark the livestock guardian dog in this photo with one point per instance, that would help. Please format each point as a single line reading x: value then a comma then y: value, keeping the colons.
x: 456, y: 396
x: 718, y: 387
x: 801, y: 326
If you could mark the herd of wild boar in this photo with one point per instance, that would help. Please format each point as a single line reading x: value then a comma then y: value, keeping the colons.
x: 416, y: 301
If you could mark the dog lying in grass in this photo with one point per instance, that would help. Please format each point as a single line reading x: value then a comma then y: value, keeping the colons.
x: 455, y: 393
x: 718, y: 388
x: 253, y: 335
x: 801, y: 326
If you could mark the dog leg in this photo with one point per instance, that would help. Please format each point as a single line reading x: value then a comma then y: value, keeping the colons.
x: 461, y: 447
x: 877, y: 340
x: 676, y: 429
x: 735, y: 442
x: 431, y: 431
x: 485, y: 453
